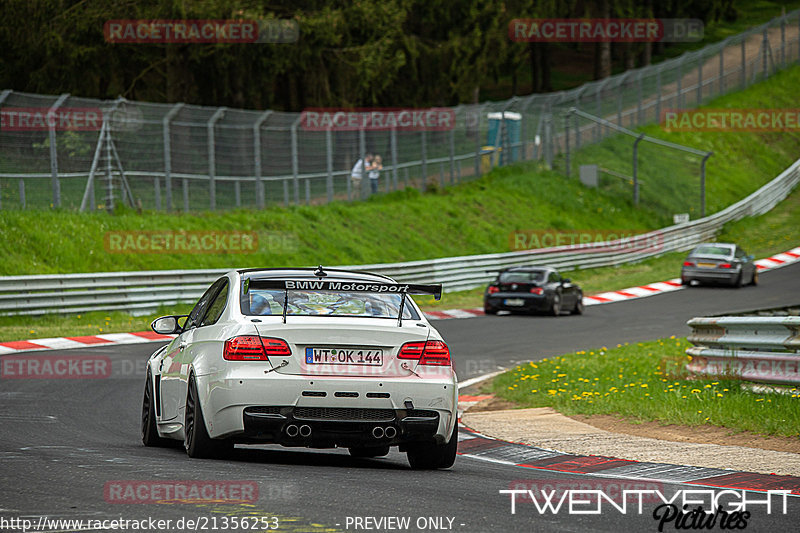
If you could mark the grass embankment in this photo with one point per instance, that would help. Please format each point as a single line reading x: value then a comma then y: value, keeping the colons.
x: 645, y: 381
x: 472, y: 218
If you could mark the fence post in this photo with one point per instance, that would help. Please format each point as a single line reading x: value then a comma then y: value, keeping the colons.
x: 424, y: 147
x: 636, y: 169
x: 54, y: 151
x: 157, y: 192
x: 658, y: 93
x: 22, y: 193
x: 257, y: 158
x: 394, y: 157
x: 721, y: 71
x: 567, y: 118
x: 295, y: 160
x: 638, y: 100
x: 783, y: 40
x: 744, y: 66
x: 329, y: 162
x: 452, y: 155
x: 478, y: 143
x: 186, y: 195
x: 212, y: 172
x: 680, y: 82
x: 110, y: 177
x: 703, y: 184
x: 699, y: 82
x: 765, y: 54
x: 619, y: 99
x: 362, y: 150
x: 168, y: 153
x: 3, y: 96
x: 524, y: 129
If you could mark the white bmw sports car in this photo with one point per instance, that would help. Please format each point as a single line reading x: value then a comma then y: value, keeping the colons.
x: 318, y: 358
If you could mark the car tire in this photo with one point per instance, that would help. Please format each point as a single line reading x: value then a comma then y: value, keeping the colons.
x: 555, y: 307
x: 579, y: 307
x: 738, y: 282
x: 372, y: 451
x: 150, y: 435
x: 489, y: 310
x: 197, y: 442
x: 754, y: 279
x: 433, y: 456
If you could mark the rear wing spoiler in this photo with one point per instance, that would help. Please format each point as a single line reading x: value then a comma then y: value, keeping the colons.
x: 434, y: 290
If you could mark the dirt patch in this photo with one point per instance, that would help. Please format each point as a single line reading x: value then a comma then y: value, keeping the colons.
x: 699, y: 434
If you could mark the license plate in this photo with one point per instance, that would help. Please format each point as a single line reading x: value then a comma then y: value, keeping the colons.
x: 514, y: 301
x: 344, y: 356
x: 707, y: 265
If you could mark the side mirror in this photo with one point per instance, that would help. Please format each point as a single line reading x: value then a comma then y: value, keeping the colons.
x: 566, y: 280
x: 750, y: 257
x: 166, y: 325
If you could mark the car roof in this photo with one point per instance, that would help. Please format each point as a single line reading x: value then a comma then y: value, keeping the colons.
x: 726, y: 244
x: 310, y: 273
x: 527, y: 269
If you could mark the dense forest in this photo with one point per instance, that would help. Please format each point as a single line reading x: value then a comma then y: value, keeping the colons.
x: 357, y: 53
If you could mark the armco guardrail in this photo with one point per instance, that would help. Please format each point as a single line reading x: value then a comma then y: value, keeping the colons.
x: 758, y: 349
x: 144, y: 291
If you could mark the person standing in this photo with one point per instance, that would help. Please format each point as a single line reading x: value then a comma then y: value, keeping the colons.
x: 375, y: 173
x: 357, y: 174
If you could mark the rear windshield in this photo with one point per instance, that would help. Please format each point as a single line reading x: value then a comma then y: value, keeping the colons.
x: 709, y: 249
x: 262, y: 302
x: 536, y: 276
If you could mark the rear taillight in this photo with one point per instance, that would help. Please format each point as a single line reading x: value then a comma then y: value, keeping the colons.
x: 688, y: 264
x: 537, y: 290
x: 724, y: 265
x: 493, y: 289
x: 254, y: 348
x: 428, y: 353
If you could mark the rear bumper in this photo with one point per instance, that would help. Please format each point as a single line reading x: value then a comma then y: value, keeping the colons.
x: 327, y: 428
x: 530, y: 302
x: 710, y: 275
x: 231, y: 401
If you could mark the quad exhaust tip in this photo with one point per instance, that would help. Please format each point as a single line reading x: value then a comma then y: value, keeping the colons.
x: 377, y: 432
x: 305, y: 430
x: 292, y: 430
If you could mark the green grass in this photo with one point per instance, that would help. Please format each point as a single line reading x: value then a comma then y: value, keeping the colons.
x: 763, y: 236
x: 644, y: 381
x: 471, y: 218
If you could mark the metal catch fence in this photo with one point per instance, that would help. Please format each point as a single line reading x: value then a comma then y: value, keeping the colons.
x: 194, y: 158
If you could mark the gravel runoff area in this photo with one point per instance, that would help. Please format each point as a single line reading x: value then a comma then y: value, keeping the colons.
x: 544, y: 427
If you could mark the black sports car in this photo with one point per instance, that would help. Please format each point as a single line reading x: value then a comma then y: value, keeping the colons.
x: 530, y: 289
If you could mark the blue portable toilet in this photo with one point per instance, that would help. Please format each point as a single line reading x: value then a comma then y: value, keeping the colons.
x: 510, y: 136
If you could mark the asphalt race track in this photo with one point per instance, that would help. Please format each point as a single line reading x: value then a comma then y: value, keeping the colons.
x: 64, y: 440
x: 484, y: 344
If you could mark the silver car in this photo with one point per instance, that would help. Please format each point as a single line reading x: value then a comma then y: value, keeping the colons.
x: 301, y: 357
x: 719, y: 263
